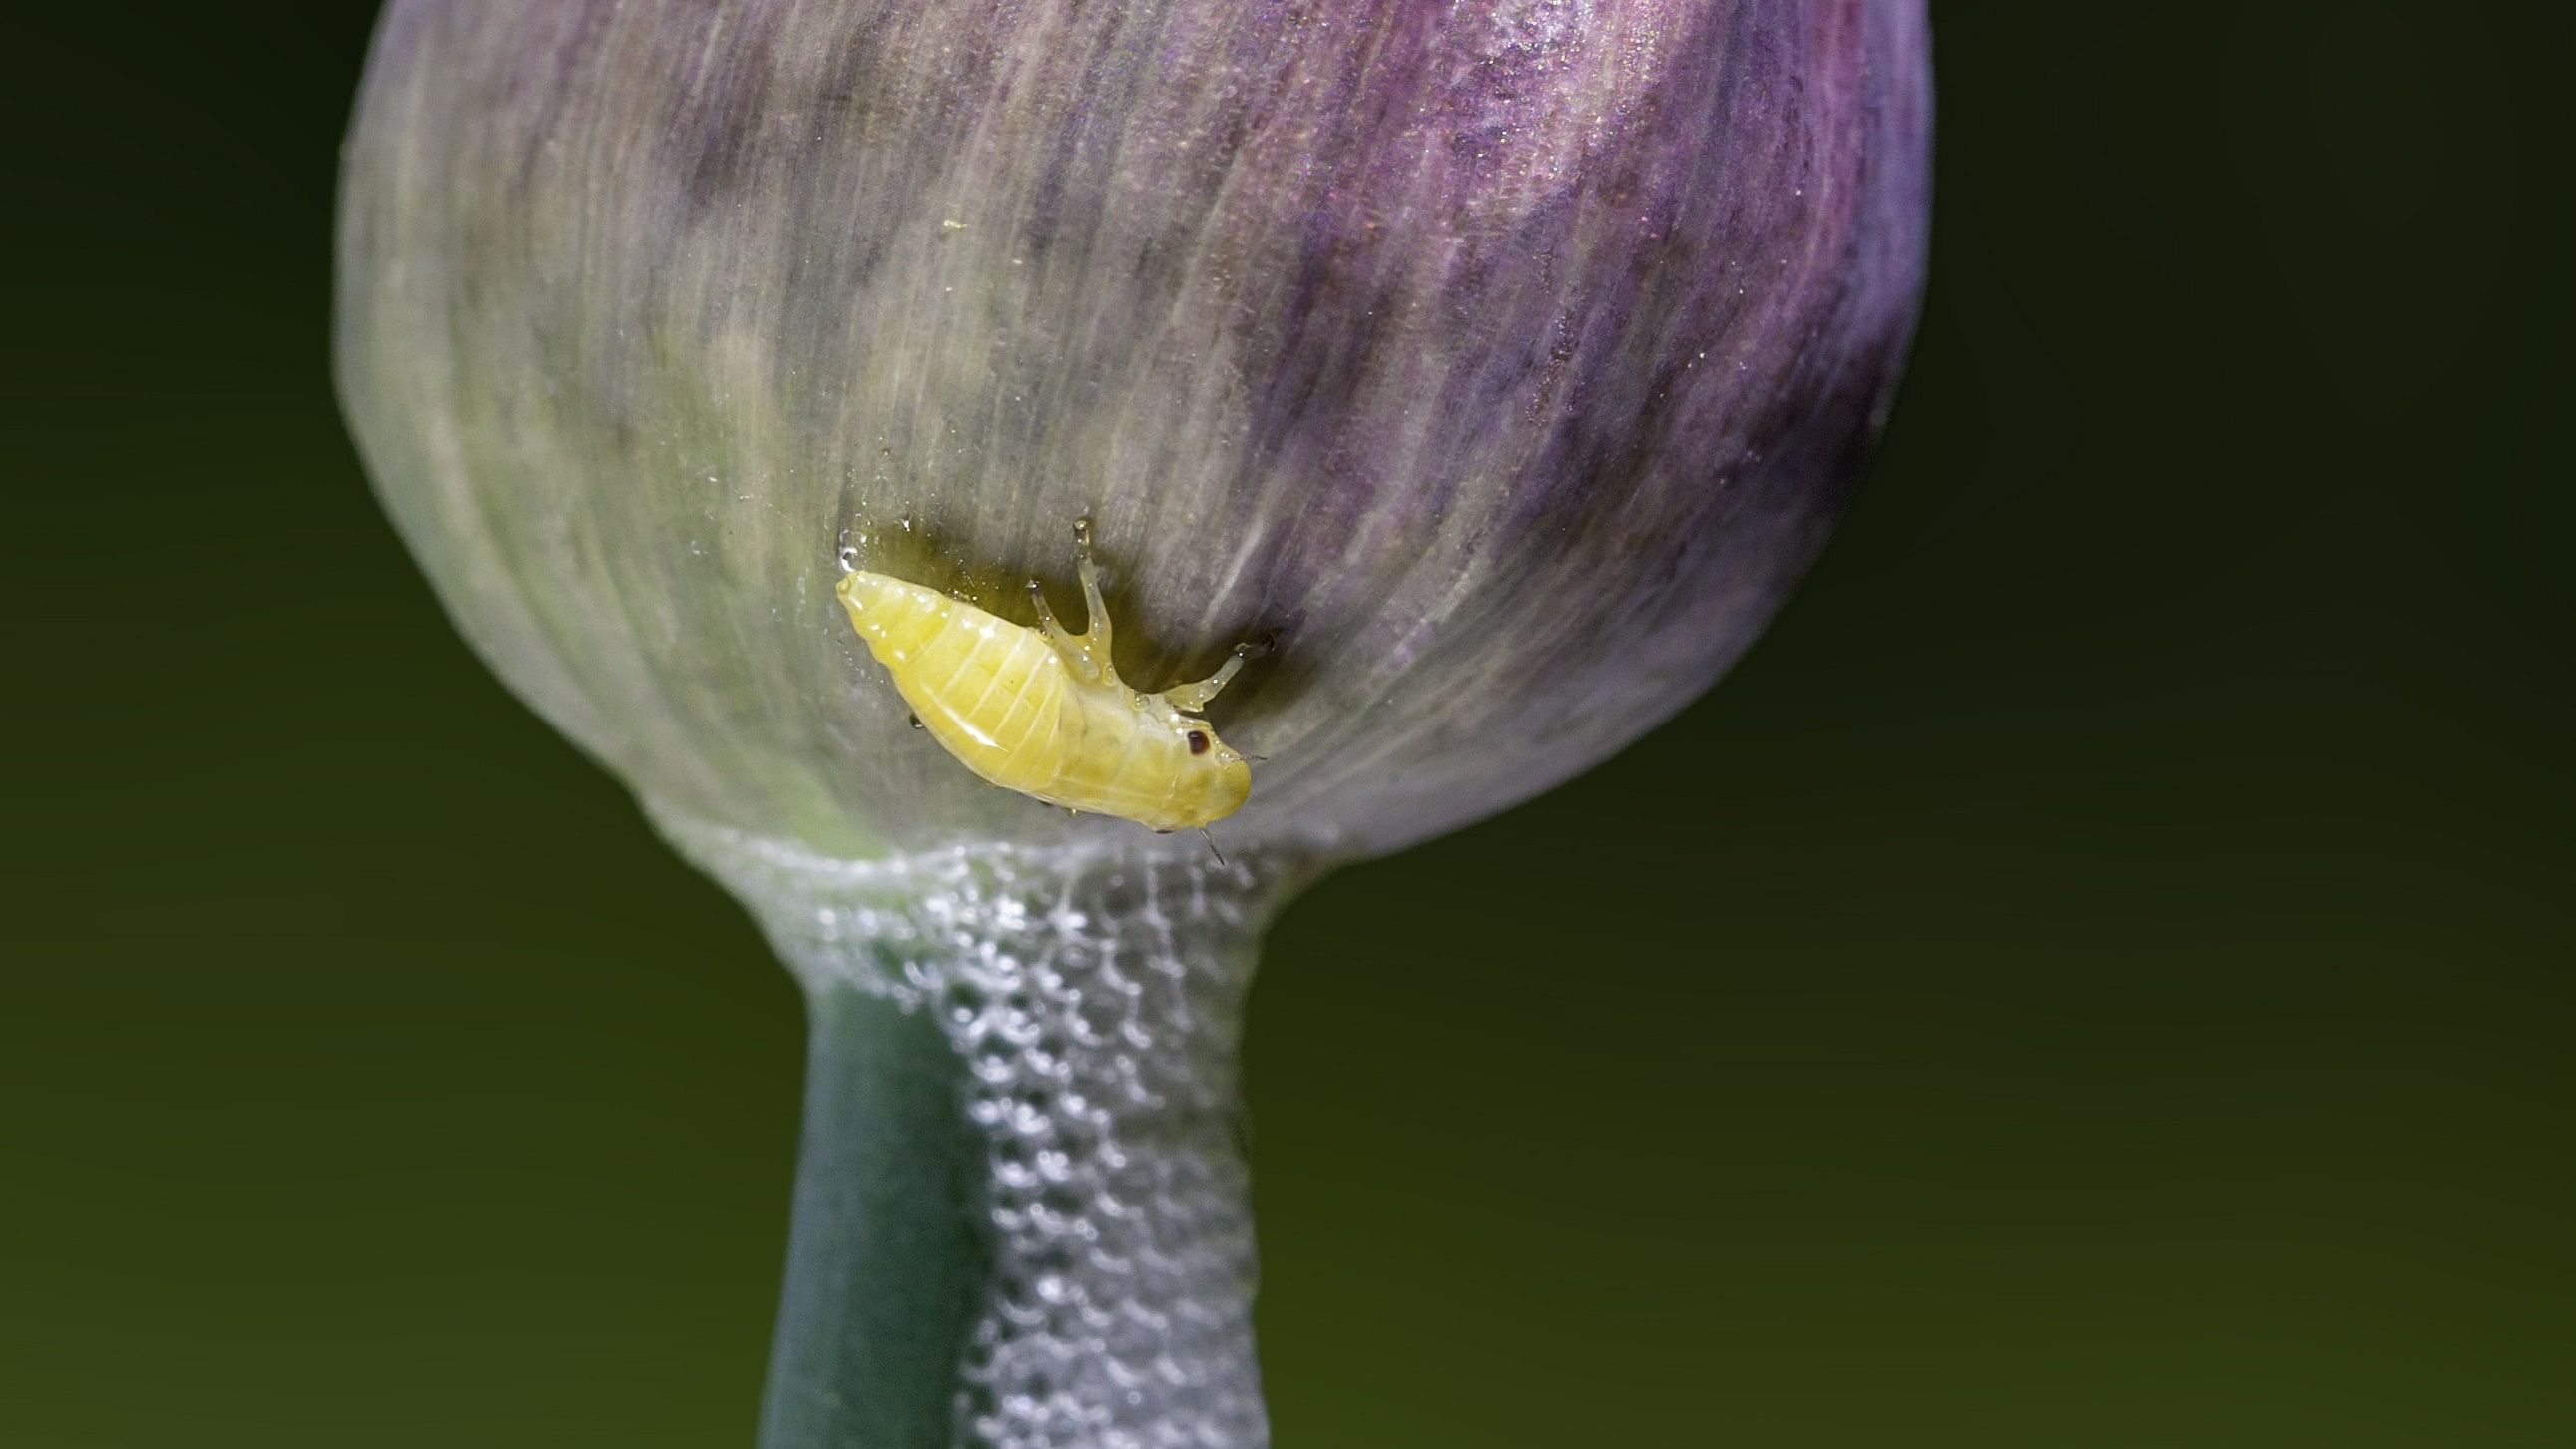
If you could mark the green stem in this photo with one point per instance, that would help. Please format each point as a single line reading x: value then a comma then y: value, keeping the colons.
x: 884, y: 1268
x: 1022, y: 1211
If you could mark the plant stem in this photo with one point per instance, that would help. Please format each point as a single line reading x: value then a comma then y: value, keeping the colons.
x: 884, y: 1267
x: 1022, y: 1213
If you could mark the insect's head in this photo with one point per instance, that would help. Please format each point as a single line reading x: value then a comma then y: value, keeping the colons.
x: 1214, y: 778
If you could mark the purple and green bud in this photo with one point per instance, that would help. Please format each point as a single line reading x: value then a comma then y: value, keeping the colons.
x: 1500, y: 365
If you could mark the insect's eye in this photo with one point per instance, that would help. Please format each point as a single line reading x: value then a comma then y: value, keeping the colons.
x: 1198, y: 742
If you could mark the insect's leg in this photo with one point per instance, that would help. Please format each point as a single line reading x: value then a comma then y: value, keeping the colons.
x: 1095, y: 628
x: 1066, y: 642
x: 1196, y: 696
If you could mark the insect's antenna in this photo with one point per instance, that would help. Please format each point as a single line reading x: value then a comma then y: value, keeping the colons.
x: 1211, y: 840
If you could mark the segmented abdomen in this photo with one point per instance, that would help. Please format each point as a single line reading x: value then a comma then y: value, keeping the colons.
x: 994, y: 693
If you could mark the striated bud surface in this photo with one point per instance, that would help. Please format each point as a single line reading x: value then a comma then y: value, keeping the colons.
x: 1501, y: 364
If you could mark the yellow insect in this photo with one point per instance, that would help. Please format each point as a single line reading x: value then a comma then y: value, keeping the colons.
x: 1043, y: 711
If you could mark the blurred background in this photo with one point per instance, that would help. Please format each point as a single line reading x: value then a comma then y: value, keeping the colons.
x: 2097, y: 975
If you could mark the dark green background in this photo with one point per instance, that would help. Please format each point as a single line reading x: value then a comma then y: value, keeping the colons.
x: 2098, y: 975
